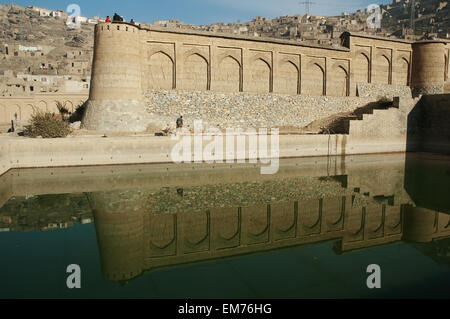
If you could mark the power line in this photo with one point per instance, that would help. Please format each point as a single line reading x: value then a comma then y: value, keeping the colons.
x: 308, y: 5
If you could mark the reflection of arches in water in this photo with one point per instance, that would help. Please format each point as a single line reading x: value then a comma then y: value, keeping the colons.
x: 284, y: 216
x: 308, y: 212
x: 162, y: 233
x: 359, y: 231
x: 375, y: 218
x: 230, y: 221
x: 383, y: 217
x: 256, y: 223
x: 199, y: 225
x: 334, y: 208
x: 231, y: 238
x: 394, y: 219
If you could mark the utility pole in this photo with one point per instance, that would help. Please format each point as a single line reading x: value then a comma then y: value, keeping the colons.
x: 308, y: 5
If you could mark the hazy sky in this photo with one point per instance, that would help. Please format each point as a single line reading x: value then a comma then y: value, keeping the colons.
x: 203, y: 11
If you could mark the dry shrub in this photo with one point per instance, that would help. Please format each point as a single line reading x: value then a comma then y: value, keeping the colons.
x: 47, y: 125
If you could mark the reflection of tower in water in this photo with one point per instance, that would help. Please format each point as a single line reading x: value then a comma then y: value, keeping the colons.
x: 120, y: 232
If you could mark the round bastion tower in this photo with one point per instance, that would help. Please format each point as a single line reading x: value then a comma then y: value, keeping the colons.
x: 428, y: 66
x: 115, y: 100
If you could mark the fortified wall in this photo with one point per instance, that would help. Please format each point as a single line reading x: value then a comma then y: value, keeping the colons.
x: 20, y: 109
x: 130, y: 61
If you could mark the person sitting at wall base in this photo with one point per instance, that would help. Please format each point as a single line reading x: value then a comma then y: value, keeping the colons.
x: 180, y: 122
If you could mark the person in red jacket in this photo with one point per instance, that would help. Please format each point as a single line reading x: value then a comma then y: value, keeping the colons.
x: 108, y: 19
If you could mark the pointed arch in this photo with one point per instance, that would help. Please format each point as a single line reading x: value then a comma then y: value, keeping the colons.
x: 289, y: 77
x: 314, y: 80
x: 229, y: 74
x: 361, y: 68
x: 339, y: 84
x: 196, y: 72
x: 382, y: 69
x: 404, y: 71
x: 161, y: 71
x: 260, y: 75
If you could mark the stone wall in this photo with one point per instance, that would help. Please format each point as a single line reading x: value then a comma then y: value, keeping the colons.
x: 234, y: 110
x: 109, y: 115
x: 381, y: 91
x: 21, y: 108
x: 130, y: 60
x: 388, y: 124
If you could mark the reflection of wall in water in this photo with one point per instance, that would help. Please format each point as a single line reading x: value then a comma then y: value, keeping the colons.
x: 132, y: 239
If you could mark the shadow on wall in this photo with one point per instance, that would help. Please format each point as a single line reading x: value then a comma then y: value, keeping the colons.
x: 427, y: 175
x: 428, y: 125
x: 78, y: 115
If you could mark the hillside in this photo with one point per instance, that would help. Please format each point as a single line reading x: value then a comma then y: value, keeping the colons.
x: 25, y: 27
x: 35, y: 44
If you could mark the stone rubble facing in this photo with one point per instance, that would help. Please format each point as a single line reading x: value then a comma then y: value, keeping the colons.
x: 244, y: 110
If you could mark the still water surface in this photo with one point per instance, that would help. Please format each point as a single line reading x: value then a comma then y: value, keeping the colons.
x: 221, y: 231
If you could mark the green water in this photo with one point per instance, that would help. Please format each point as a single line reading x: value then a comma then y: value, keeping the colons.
x: 203, y: 231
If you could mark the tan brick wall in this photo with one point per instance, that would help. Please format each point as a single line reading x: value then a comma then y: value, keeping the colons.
x: 24, y: 107
x: 130, y: 60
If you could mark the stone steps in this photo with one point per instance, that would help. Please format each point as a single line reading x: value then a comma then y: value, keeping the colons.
x: 361, y: 126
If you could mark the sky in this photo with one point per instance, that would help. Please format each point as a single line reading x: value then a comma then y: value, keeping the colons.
x: 203, y: 11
